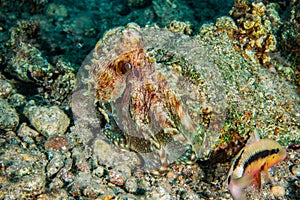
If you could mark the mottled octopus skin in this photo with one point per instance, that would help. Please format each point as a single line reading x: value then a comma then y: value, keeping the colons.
x: 143, y: 105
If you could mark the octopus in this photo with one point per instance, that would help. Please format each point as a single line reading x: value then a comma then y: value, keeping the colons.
x: 149, y: 99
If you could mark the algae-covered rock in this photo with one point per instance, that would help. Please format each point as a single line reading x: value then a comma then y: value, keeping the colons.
x: 5, y: 88
x: 255, y: 96
x: 29, y: 65
x: 27, y: 134
x: 17, y: 100
x: 47, y: 120
x: 9, y: 118
x: 54, y: 82
x: 22, y: 173
x: 56, y: 10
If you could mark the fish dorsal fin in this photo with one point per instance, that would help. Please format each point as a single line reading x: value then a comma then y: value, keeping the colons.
x: 254, y: 137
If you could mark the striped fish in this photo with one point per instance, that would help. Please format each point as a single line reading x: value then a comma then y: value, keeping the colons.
x: 248, y: 164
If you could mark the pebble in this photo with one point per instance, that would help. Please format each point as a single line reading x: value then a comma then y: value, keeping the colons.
x: 17, y: 100
x: 191, y: 195
x: 54, y: 194
x: 278, y: 191
x: 65, y: 173
x: 56, y: 184
x: 24, y: 173
x: 161, y: 192
x: 25, y: 131
x: 56, y: 10
x: 116, y: 177
x: 9, y: 118
x: 296, y: 170
x: 99, y: 171
x: 119, y: 174
x: 131, y: 184
x: 67, y: 176
x: 27, y: 134
x: 57, y: 143
x: 93, y: 190
x: 55, y: 164
x: 49, y: 121
x: 106, y: 154
x: 5, y: 88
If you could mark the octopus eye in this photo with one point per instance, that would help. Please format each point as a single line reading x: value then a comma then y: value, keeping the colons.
x: 128, y: 66
x: 124, y: 67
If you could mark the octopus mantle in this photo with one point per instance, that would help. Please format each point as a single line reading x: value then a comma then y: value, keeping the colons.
x: 152, y: 93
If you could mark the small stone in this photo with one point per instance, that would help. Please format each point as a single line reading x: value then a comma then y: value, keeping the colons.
x: 145, y: 185
x: 57, y: 143
x: 93, y: 190
x: 54, y: 194
x: 67, y: 177
x: 47, y: 120
x: 170, y: 175
x: 65, y: 173
x: 296, y: 170
x: 5, y: 88
x: 116, y: 177
x: 17, y: 100
x: 27, y: 134
x: 131, y: 184
x: 107, y: 197
x: 99, y: 171
x: 125, y: 169
x: 191, y: 195
x: 56, y: 10
x: 278, y: 191
x: 128, y: 196
x: 9, y: 118
x: 56, y: 184
x: 25, y: 131
x: 162, y: 191
x: 22, y: 172
x: 55, y: 165
x: 106, y: 154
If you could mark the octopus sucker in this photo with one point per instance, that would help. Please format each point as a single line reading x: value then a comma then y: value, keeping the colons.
x: 153, y: 94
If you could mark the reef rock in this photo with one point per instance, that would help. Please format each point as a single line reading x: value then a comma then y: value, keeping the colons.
x: 48, y: 121
x: 9, y: 118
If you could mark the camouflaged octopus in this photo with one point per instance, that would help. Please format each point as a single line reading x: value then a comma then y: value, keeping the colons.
x: 150, y: 99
